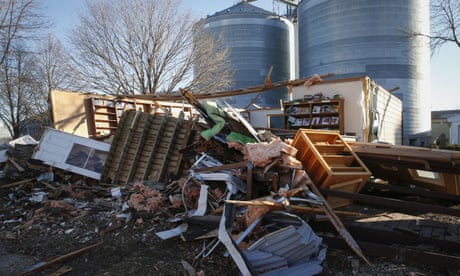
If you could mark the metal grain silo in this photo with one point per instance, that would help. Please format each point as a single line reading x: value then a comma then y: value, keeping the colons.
x: 257, y: 40
x: 369, y: 37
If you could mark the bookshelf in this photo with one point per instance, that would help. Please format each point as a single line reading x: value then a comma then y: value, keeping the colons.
x: 320, y: 114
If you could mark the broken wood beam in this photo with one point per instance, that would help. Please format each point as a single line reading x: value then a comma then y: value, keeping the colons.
x: 343, y: 232
x: 43, y: 265
x: 413, y: 191
x: 222, y: 167
x: 237, y: 92
x: 16, y: 164
x: 294, y: 208
x: 394, y: 203
x: 17, y: 183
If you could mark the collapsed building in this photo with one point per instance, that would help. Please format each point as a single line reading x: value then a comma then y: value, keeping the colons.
x: 245, y: 187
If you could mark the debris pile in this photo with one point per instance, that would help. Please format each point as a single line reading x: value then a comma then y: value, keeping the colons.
x: 241, y: 190
x: 15, y: 157
x: 211, y: 178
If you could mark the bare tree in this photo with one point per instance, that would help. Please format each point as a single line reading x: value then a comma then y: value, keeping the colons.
x: 445, y: 24
x: 14, y: 90
x: 445, y: 19
x: 145, y: 47
x: 53, y: 66
x: 20, y: 22
x: 212, y: 68
x: 52, y: 70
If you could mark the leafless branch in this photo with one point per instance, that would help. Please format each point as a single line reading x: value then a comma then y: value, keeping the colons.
x: 445, y: 23
x: 142, y: 47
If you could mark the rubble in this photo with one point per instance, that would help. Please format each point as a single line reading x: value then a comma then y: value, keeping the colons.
x: 145, y: 199
x: 221, y: 186
x: 15, y: 155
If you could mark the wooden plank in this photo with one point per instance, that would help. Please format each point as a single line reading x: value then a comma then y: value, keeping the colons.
x: 431, y: 159
x: 330, y: 149
x: 156, y: 127
x: 343, y: 160
x: 43, y: 265
x: 223, y: 167
x: 167, y: 140
x: 347, y: 169
x: 17, y: 183
x: 394, y: 203
x: 347, y: 186
x: 139, y: 146
x: 114, y: 161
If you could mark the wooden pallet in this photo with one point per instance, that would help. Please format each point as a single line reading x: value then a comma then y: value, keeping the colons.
x: 146, y: 147
x: 330, y: 162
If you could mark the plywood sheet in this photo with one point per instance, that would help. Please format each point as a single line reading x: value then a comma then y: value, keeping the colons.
x: 69, y: 112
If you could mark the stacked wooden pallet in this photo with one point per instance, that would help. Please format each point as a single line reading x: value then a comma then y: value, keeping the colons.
x: 146, y: 147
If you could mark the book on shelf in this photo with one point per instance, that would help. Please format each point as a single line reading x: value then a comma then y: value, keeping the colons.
x: 315, y: 121
x: 335, y: 120
x: 327, y: 108
x: 316, y: 109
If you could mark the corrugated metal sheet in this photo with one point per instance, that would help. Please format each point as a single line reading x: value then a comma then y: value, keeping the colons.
x: 290, y: 250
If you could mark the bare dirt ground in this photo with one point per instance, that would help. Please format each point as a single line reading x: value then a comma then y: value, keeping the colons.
x: 33, y: 233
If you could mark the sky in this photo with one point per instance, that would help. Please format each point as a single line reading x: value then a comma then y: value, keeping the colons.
x: 445, y: 64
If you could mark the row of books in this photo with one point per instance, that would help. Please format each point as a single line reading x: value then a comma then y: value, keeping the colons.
x: 315, y: 109
x: 314, y: 121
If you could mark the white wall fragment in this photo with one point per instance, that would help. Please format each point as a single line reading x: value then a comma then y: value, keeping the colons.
x: 72, y: 153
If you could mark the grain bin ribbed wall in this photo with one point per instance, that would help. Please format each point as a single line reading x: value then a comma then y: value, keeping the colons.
x: 257, y: 40
x: 367, y: 37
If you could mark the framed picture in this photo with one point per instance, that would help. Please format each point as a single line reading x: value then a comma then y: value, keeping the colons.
x: 334, y: 120
x: 316, y: 109
x: 325, y: 120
